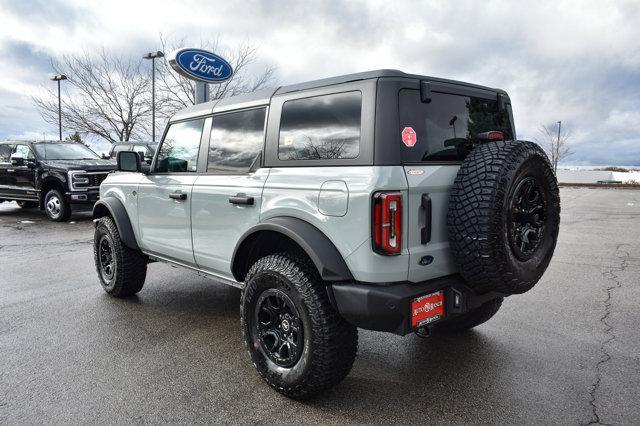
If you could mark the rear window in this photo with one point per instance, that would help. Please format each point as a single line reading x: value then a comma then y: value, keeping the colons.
x: 321, y: 128
x: 445, y: 126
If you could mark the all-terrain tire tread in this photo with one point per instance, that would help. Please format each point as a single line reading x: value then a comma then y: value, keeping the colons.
x: 335, y: 342
x: 475, y: 214
x: 131, y: 270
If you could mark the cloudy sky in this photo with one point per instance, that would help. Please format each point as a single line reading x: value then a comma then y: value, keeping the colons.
x: 575, y: 61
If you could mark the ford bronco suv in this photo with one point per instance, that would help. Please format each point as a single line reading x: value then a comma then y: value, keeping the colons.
x: 381, y: 200
x: 57, y: 177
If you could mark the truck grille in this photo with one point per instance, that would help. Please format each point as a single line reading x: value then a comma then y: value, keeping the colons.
x: 87, y: 180
x: 96, y: 179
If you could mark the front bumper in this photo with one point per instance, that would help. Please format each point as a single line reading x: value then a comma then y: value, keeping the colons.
x: 83, y: 197
x: 388, y: 307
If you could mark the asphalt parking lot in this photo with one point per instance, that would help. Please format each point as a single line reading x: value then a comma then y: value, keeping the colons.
x: 566, y: 352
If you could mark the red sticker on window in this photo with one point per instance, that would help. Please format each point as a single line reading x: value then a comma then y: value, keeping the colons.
x: 409, y: 137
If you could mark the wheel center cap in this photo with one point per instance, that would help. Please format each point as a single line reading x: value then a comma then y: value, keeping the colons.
x: 285, y: 325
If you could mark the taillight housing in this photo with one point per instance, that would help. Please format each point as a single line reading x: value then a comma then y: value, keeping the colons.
x: 387, y: 223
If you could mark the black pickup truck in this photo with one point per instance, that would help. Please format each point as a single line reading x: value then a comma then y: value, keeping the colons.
x: 54, y: 176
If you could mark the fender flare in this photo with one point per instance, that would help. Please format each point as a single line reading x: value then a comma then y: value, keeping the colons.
x: 322, y: 252
x: 111, y: 206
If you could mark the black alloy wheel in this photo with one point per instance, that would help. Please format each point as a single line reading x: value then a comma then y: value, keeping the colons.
x: 106, y: 258
x: 527, y: 219
x: 278, y: 327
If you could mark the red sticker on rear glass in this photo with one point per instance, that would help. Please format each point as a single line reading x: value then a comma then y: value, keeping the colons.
x: 409, y: 137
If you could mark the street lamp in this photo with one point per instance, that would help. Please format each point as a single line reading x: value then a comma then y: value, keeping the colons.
x: 59, y: 78
x: 559, y: 127
x: 153, y: 56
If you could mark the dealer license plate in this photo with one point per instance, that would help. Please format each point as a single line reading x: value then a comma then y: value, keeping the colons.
x: 427, y: 309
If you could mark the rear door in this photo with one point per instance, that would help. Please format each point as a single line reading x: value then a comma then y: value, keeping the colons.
x: 434, y: 140
x: 226, y: 198
x: 164, y: 195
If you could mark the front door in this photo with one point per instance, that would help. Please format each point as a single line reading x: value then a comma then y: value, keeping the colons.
x: 226, y: 199
x: 23, y: 176
x: 164, y: 195
x: 5, y: 165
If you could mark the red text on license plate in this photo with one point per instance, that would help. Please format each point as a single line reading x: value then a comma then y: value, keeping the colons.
x: 427, y: 309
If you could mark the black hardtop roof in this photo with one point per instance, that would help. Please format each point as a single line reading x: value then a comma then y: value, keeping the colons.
x: 263, y: 96
x: 373, y: 74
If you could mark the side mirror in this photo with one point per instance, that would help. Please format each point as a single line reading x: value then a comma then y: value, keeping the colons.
x: 31, y: 164
x: 129, y: 161
x: 17, y: 161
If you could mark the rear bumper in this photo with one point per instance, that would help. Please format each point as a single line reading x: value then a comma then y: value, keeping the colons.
x: 388, y: 307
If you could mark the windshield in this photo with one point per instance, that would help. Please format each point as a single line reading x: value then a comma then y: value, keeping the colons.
x: 64, y: 151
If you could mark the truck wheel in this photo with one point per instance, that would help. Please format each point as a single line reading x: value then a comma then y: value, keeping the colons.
x: 473, y: 318
x: 121, y: 270
x: 27, y: 204
x: 504, y: 214
x: 56, y: 206
x: 297, y: 341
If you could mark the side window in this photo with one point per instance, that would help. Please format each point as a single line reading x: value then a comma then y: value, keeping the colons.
x: 118, y: 148
x: 141, y: 148
x: 23, y: 151
x: 179, y: 149
x: 321, y: 128
x: 446, y: 126
x: 236, y: 141
x: 5, y: 153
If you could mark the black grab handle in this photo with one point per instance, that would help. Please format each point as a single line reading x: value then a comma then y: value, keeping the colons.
x: 241, y: 199
x: 178, y: 196
x: 425, y: 232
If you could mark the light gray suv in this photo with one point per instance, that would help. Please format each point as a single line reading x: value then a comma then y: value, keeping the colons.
x: 381, y: 200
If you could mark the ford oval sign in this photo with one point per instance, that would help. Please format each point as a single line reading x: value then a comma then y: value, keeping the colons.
x: 200, y: 65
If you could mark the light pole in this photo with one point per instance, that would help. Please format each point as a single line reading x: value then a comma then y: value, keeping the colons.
x: 559, y: 127
x: 153, y: 56
x: 59, y: 78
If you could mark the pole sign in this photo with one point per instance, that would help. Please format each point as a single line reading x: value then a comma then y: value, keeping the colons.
x: 200, y: 65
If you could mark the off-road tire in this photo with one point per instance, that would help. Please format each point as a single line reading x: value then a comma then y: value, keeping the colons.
x: 330, y: 343
x: 473, y: 318
x: 130, y: 266
x: 27, y: 204
x: 63, y: 207
x: 480, y: 211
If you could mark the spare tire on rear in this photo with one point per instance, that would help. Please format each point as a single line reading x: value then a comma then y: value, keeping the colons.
x: 504, y: 215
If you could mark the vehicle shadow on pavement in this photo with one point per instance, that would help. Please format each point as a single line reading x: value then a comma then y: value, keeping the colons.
x: 447, y: 373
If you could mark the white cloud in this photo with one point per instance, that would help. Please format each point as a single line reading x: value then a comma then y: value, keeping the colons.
x: 575, y: 61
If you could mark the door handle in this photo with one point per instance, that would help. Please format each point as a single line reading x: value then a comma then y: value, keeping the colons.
x: 425, y: 232
x: 180, y: 196
x: 241, y: 199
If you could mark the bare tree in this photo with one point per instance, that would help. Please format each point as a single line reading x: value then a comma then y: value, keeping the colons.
x: 109, y: 96
x: 176, y: 92
x: 556, y: 146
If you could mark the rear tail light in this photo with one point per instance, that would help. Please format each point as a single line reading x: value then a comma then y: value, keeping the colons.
x: 493, y: 135
x: 387, y: 223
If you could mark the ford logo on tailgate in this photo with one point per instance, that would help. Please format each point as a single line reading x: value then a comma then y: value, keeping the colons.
x: 198, y: 64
